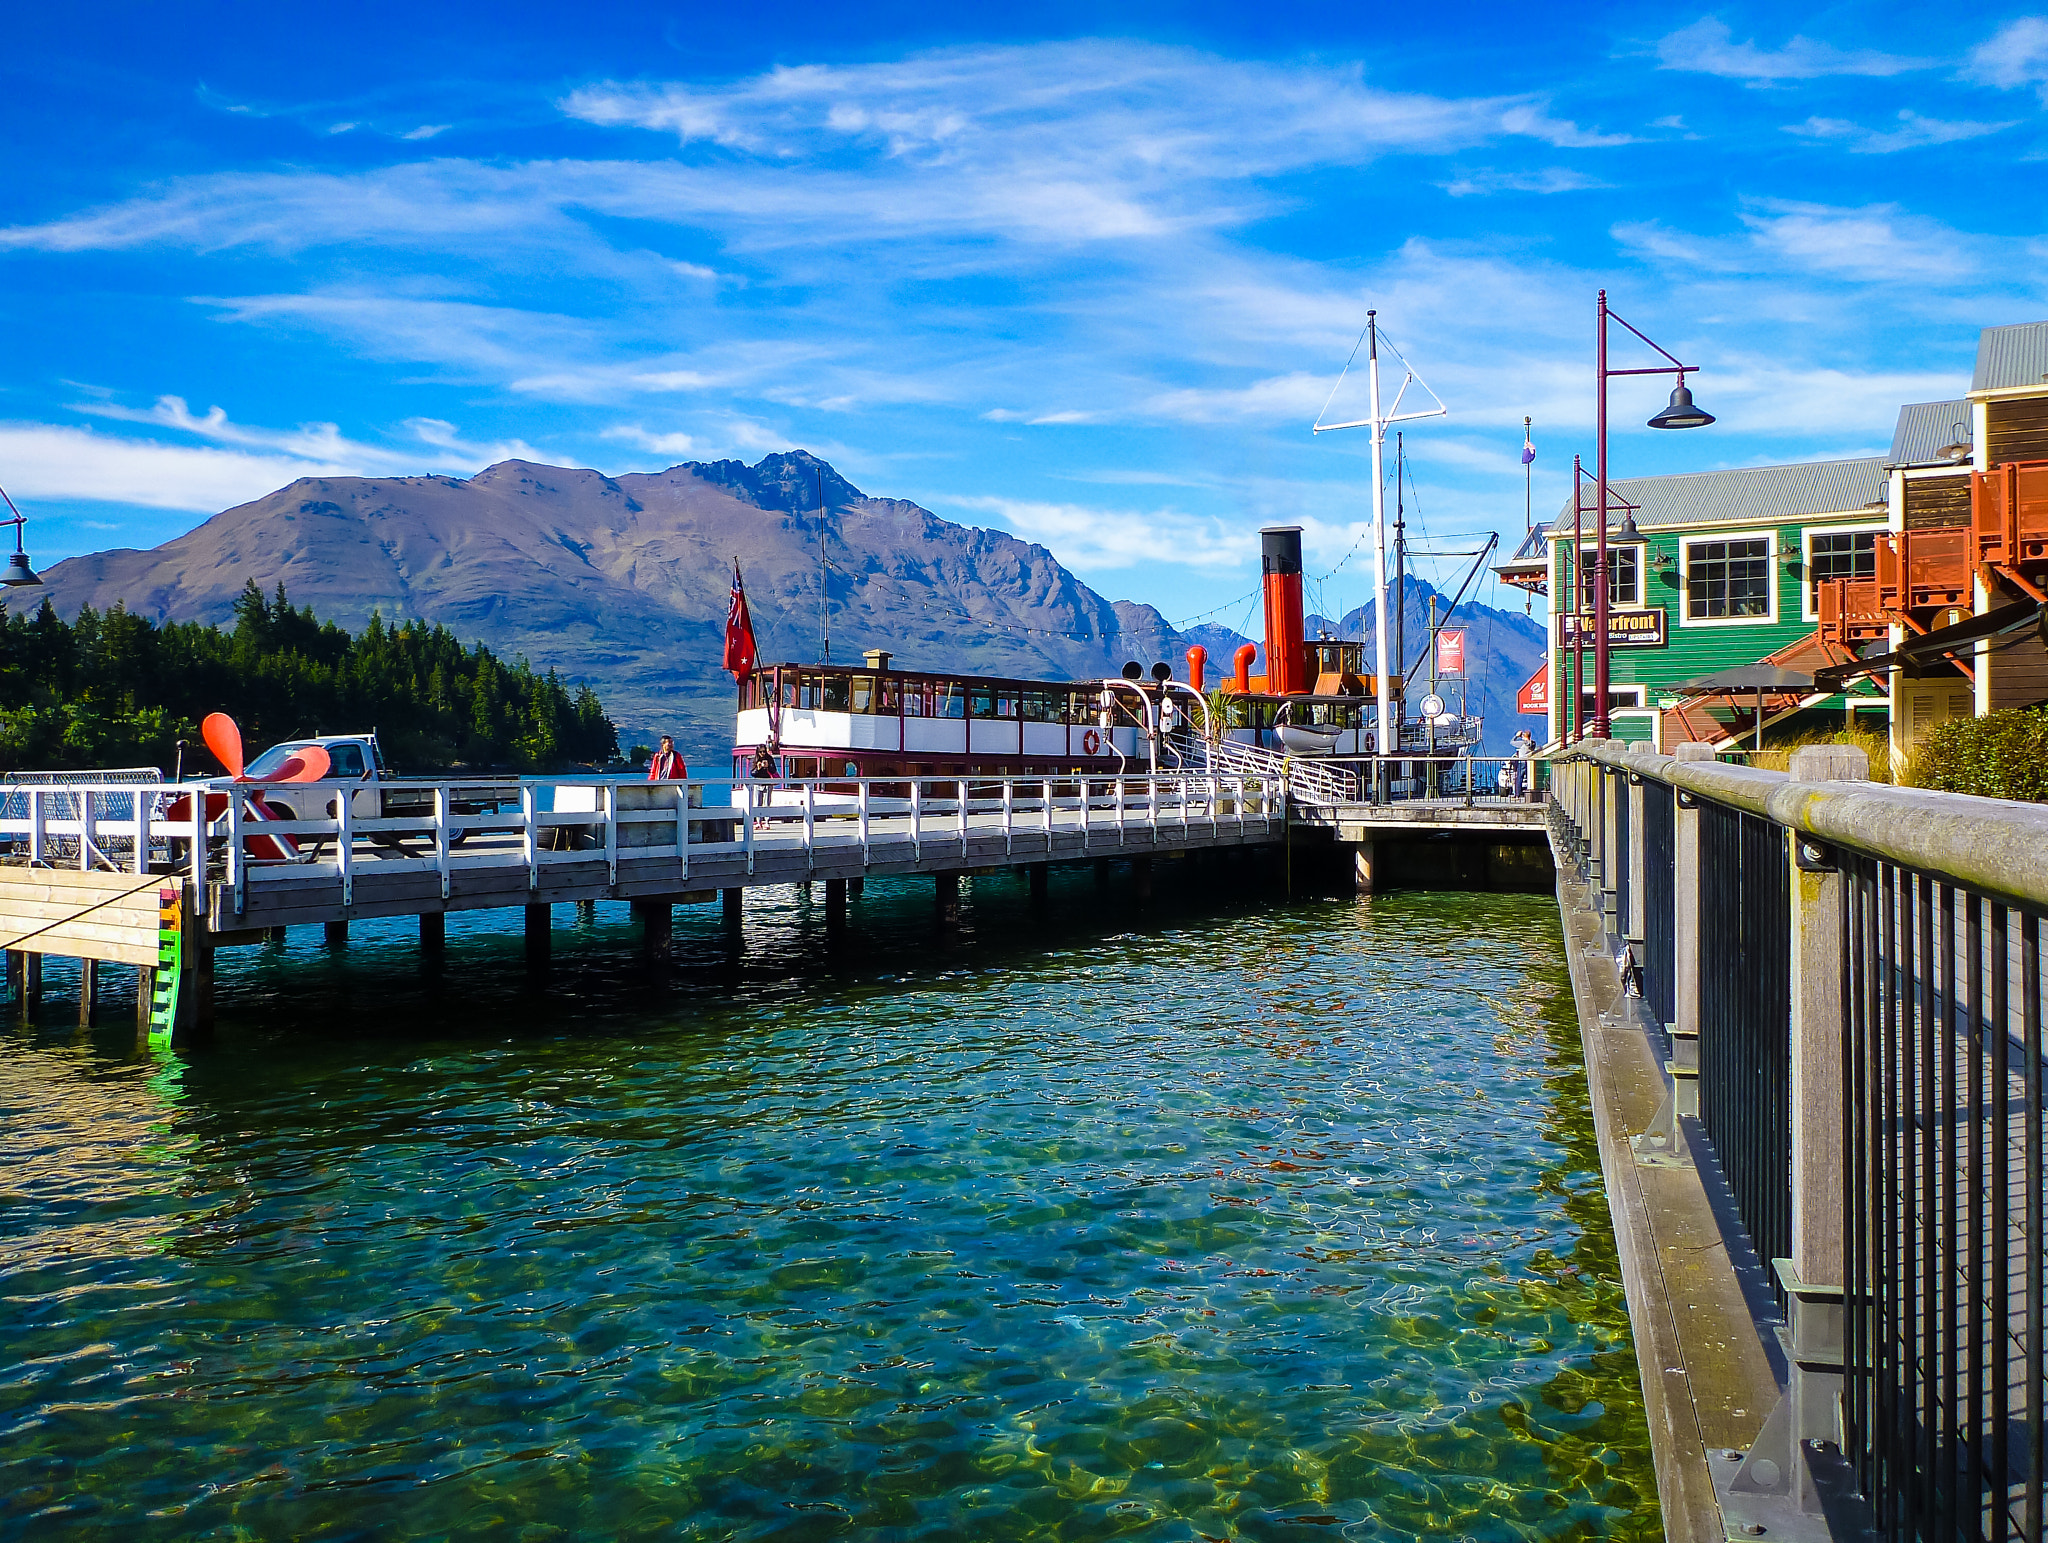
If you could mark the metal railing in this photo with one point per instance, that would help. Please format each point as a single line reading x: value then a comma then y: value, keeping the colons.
x: 1861, y: 966
x: 1472, y: 780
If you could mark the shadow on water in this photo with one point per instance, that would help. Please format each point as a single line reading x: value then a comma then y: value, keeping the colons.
x: 1227, y: 1216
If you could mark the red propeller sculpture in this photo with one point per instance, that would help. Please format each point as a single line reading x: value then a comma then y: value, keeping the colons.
x: 309, y: 763
x: 223, y: 737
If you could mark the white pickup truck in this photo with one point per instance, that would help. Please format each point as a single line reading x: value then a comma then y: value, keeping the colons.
x: 358, y: 758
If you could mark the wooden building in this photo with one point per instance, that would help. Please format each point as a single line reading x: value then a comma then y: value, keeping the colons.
x: 1822, y: 565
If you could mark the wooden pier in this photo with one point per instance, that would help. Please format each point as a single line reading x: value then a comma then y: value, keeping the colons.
x: 85, y: 856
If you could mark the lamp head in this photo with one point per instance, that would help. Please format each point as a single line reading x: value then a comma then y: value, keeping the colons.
x: 1681, y: 413
x: 1628, y: 531
x: 19, y: 573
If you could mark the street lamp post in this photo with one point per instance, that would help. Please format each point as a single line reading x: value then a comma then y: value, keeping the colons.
x: 1680, y: 414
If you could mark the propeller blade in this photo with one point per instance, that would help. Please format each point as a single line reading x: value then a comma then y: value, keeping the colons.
x: 307, y: 765
x: 224, y: 739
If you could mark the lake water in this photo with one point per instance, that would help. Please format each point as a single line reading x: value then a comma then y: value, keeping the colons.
x: 1255, y: 1219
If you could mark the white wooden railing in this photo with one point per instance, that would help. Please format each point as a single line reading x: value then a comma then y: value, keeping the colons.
x: 536, y: 823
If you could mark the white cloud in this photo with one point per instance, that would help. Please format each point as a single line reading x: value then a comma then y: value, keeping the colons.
x: 1914, y: 132
x: 1291, y: 398
x: 1092, y: 539
x: 457, y: 451
x: 1052, y: 144
x: 2016, y: 55
x: 1874, y: 244
x: 1553, y: 179
x: 321, y: 442
x: 425, y: 131
x: 659, y: 444
x: 51, y: 461
x: 1707, y: 47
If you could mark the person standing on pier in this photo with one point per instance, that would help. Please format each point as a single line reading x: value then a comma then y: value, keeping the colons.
x: 667, y: 765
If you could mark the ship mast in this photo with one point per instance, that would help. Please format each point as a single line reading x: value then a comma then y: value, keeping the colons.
x: 1381, y: 420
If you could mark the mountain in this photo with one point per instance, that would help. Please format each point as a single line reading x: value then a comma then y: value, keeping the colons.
x: 623, y: 581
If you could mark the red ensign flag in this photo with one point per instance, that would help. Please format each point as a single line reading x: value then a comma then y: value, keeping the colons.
x: 739, y: 631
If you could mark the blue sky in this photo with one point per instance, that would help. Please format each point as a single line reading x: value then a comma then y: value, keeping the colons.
x: 1085, y: 272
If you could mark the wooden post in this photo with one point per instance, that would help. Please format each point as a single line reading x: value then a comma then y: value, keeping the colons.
x: 1364, y: 867
x: 856, y: 887
x: 32, y: 983
x: 337, y: 934
x: 1141, y: 876
x: 733, y: 905
x: 145, y: 1000
x: 1819, y: 1143
x: 586, y: 913
x: 1613, y: 788
x: 946, y: 893
x: 1685, y: 920
x: 1101, y: 873
x: 433, y: 931
x: 657, y: 925
x: 275, y: 935
x: 1039, y: 873
x: 199, y: 983
x: 835, y: 905
x: 88, y: 990
x: 539, y: 935
x: 1633, y: 925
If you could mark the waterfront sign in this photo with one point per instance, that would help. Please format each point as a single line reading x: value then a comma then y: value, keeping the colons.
x: 1625, y: 629
x: 1534, y: 697
x: 1450, y: 652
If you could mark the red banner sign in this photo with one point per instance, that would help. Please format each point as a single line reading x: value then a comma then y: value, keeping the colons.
x: 1450, y: 652
x: 1534, y: 697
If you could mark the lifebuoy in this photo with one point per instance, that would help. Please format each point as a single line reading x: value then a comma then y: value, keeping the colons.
x: 1091, y: 743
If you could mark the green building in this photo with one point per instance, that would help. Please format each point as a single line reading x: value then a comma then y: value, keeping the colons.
x: 1706, y: 571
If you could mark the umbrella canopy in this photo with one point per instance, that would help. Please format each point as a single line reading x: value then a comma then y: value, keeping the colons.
x: 1752, y: 677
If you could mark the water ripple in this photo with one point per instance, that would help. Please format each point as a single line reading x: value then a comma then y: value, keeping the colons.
x: 1284, y: 1223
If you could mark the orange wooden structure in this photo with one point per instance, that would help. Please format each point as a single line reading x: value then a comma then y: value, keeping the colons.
x: 2009, y: 523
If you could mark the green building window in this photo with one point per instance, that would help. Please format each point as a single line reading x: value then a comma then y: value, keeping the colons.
x: 1727, y: 579
x: 1624, y: 576
x: 1839, y: 555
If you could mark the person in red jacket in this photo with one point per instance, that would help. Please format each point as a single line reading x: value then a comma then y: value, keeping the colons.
x: 667, y: 766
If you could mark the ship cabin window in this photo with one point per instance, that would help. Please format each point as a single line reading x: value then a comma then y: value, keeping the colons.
x: 1043, y: 706
x: 1338, y: 658
x: 870, y: 697
x: 947, y: 700
x: 833, y: 692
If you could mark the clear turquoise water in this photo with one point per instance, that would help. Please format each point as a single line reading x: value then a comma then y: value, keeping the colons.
x: 1268, y: 1220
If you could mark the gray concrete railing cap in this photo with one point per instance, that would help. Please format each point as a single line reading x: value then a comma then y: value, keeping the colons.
x: 1991, y: 845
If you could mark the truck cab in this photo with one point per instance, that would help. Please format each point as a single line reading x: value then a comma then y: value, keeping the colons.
x: 350, y: 758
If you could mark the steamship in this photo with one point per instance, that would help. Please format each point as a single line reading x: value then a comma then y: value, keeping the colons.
x: 874, y: 720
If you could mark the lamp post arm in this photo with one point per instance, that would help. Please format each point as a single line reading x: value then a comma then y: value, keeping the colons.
x: 1683, y: 368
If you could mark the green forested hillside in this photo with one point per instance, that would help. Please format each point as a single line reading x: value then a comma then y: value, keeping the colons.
x: 116, y: 689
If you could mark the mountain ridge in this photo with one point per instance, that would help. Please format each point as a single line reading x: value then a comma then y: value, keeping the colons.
x: 623, y: 581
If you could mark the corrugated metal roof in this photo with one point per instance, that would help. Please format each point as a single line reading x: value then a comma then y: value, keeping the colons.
x: 1751, y: 493
x: 2011, y: 356
x: 1928, y: 428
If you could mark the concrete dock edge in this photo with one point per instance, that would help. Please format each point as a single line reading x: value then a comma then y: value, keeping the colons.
x: 1707, y: 1383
